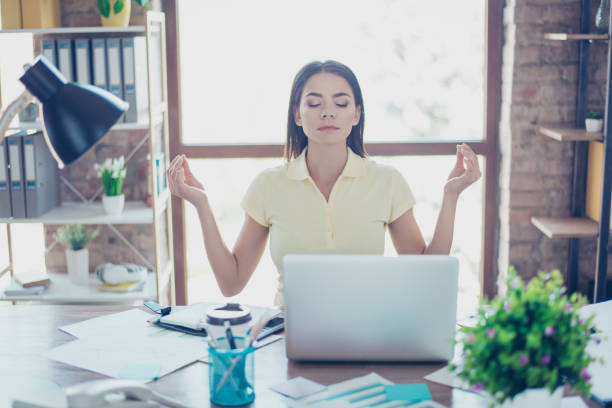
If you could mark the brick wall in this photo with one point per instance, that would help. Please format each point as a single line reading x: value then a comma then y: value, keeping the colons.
x: 539, y: 86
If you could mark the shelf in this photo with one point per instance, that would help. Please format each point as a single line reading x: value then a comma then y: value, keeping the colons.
x: 76, y: 30
x: 566, y: 37
x: 569, y: 134
x: 62, y: 290
x: 119, y: 126
x: 135, y: 212
x: 568, y: 227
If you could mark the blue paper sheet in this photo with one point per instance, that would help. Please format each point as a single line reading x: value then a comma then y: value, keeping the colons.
x: 408, y: 392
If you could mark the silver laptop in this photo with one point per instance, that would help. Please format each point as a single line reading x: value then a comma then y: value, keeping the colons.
x: 370, y: 307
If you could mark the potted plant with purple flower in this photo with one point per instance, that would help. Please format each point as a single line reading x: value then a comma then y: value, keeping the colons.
x: 528, y: 344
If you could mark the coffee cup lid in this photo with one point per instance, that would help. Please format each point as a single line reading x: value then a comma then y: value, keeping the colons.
x: 233, y: 312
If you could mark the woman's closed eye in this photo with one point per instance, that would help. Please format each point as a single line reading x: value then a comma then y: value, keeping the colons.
x: 338, y: 104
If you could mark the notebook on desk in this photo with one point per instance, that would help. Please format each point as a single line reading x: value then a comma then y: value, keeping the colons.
x: 370, y: 307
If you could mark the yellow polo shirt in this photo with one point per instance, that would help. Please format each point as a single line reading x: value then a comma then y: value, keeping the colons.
x: 366, y: 197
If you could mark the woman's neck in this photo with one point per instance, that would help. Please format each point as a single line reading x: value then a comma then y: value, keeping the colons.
x: 325, y: 163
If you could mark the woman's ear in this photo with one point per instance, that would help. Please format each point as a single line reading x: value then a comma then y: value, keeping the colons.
x: 357, y: 115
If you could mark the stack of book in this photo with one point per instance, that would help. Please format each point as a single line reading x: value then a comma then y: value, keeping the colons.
x: 28, y: 284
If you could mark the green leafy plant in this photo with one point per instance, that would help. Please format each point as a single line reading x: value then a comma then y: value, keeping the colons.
x: 75, y: 236
x: 594, y: 115
x: 112, y: 172
x: 104, y: 6
x: 531, y: 338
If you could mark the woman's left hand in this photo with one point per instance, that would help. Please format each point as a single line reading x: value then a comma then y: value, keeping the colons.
x: 465, y: 172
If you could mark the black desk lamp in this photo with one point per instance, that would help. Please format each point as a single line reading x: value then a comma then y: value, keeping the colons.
x: 74, y: 116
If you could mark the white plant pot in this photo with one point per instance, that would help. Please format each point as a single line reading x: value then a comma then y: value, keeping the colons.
x: 593, y: 125
x: 535, y: 397
x: 113, y: 204
x: 77, y: 263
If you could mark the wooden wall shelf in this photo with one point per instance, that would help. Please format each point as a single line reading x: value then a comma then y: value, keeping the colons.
x: 570, y: 134
x: 568, y: 227
x: 569, y: 37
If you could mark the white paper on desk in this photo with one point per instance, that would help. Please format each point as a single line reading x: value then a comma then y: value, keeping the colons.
x: 601, y: 374
x: 446, y: 377
x: 356, y: 392
x: 130, y: 323
x: 573, y: 402
x: 298, y: 387
x: 107, y: 355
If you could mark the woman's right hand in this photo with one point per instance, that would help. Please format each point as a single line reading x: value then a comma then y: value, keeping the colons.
x: 182, y: 182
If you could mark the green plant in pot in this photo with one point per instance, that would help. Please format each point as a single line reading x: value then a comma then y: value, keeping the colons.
x: 528, y: 344
x: 116, y: 13
x: 594, y: 122
x: 112, y: 172
x: 75, y: 238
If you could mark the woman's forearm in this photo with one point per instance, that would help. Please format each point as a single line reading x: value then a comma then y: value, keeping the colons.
x: 443, y: 234
x: 222, y: 260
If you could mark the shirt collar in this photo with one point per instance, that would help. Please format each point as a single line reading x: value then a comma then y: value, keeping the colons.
x: 355, y: 166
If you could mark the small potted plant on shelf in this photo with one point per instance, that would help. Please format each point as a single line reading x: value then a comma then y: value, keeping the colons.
x: 112, y: 172
x: 593, y: 122
x: 75, y: 238
x: 116, y: 13
x: 528, y: 344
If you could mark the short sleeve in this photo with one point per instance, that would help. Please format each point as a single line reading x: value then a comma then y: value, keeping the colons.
x: 401, y: 196
x: 254, y: 201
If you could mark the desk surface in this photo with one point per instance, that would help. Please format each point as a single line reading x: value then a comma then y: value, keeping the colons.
x: 27, y: 331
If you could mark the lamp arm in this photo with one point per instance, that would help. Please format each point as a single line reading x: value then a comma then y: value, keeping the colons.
x: 13, y: 109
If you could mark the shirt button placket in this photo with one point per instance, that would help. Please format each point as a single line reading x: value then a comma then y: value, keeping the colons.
x: 328, y: 227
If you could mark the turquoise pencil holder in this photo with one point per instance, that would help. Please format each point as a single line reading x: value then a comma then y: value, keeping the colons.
x: 237, y: 387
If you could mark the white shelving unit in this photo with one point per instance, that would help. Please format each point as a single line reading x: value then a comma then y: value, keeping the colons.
x: 78, y: 30
x: 160, y: 282
x: 85, y: 213
x: 62, y: 290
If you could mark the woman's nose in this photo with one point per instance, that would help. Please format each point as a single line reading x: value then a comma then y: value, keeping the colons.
x: 327, y: 114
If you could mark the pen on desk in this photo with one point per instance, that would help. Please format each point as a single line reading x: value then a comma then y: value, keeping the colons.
x: 252, y: 340
x: 229, y: 335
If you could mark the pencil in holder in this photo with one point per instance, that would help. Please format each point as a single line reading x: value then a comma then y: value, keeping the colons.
x: 231, y: 373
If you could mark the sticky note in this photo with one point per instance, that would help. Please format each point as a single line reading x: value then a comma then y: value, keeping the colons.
x: 408, y: 392
x: 298, y: 387
x: 139, y: 371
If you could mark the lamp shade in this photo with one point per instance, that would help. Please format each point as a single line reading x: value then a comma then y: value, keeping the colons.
x: 76, y: 116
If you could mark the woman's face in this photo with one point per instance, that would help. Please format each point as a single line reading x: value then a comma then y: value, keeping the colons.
x: 327, y: 110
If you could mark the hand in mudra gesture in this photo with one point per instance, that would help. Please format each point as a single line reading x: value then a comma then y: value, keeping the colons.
x: 465, y: 172
x: 182, y: 182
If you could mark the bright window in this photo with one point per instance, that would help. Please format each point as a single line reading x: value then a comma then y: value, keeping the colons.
x: 419, y: 63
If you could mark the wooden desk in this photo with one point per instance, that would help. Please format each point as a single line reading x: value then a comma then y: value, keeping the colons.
x: 26, y: 331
